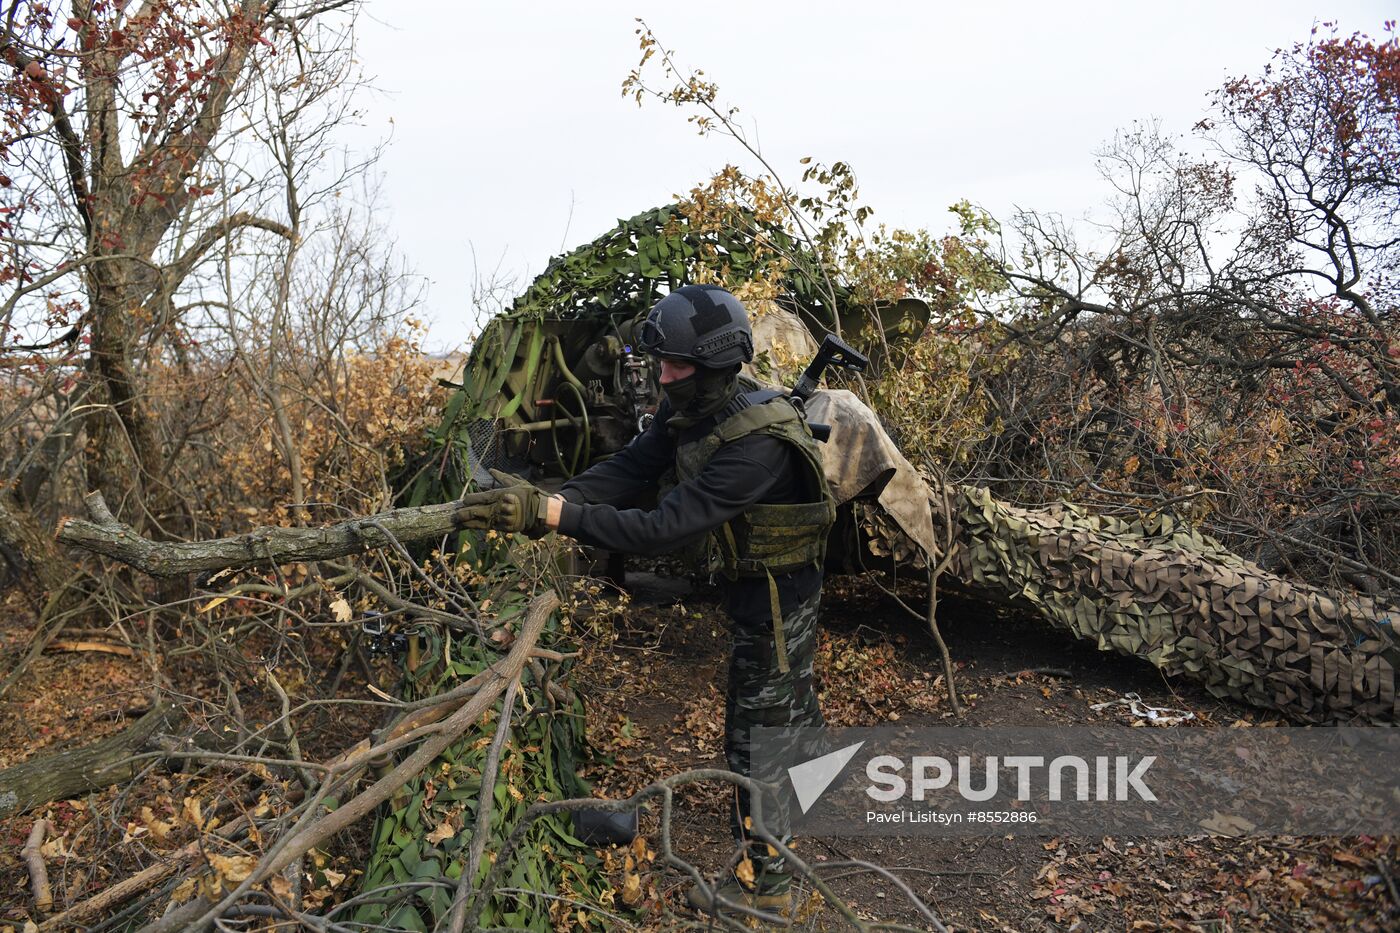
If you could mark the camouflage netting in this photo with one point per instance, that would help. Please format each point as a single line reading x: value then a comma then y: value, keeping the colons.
x: 1164, y: 592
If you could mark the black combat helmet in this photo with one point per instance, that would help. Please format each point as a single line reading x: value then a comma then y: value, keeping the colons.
x: 702, y: 324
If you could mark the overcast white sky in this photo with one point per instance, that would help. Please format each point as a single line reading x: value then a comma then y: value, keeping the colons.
x: 511, y: 138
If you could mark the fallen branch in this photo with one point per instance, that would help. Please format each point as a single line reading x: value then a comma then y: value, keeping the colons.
x: 170, y: 862
x: 504, y: 673
x: 103, y: 901
x: 38, y: 871
x: 100, y: 647
x: 75, y: 771
x: 485, y: 803
x: 260, y: 547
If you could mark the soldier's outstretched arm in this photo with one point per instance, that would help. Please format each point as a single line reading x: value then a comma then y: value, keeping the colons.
x: 736, y: 477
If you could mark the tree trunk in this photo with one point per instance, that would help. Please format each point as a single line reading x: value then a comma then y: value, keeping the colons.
x: 27, y: 553
x: 125, y: 459
x: 75, y: 771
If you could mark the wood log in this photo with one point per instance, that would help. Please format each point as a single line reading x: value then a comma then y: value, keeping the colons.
x: 38, y: 872
x: 100, y: 647
x: 75, y: 771
x: 260, y: 547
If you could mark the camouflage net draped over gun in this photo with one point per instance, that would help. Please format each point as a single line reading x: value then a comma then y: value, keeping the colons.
x: 1164, y: 592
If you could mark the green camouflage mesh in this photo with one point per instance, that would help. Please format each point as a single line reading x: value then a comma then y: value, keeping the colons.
x: 1162, y: 591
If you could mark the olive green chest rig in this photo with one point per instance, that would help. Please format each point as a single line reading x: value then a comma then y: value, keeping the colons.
x: 768, y: 538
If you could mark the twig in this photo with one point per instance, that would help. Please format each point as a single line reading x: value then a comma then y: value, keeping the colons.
x: 170, y: 862
x: 51, y: 626
x: 1389, y: 884
x: 293, y: 746
x: 483, y: 813
x: 888, y: 875
x: 38, y: 871
x: 665, y: 789
x: 104, y: 900
x: 932, y: 620
x: 950, y: 545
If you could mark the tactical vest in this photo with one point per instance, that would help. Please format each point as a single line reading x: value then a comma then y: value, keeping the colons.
x: 767, y: 538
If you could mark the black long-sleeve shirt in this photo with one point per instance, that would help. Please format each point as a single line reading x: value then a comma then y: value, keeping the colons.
x: 750, y: 470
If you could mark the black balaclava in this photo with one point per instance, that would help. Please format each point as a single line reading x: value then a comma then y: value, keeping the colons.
x: 701, y: 394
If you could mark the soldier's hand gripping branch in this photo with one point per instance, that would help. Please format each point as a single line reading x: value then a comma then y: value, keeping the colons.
x: 515, y: 506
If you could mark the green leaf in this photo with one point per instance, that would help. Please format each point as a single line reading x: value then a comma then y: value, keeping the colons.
x: 410, y: 859
x: 407, y: 918
x: 439, y: 902
x: 427, y: 869
x: 414, y: 809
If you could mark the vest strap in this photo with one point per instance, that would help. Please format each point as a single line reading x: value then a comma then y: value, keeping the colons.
x: 775, y: 605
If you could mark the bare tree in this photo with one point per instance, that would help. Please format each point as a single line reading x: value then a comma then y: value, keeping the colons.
x: 127, y: 141
x: 1227, y: 345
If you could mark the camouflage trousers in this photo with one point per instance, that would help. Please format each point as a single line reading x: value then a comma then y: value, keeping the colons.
x: 761, y: 694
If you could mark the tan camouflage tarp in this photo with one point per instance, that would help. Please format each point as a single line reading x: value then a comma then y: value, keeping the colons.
x: 860, y: 455
x: 1167, y: 593
x: 782, y: 343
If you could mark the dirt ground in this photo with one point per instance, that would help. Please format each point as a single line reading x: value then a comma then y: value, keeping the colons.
x: 657, y: 707
x: 654, y: 689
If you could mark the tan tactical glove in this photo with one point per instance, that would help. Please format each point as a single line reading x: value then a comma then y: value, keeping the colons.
x: 490, y: 509
x: 526, y: 513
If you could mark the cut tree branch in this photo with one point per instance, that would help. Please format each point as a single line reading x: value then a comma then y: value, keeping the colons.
x: 260, y: 547
x: 314, y: 832
x: 68, y: 773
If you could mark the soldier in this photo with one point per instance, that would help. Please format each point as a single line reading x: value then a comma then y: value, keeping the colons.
x: 747, y: 478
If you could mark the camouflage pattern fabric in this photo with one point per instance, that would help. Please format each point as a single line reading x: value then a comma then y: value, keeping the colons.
x: 760, y: 694
x: 1160, y: 590
x: 860, y: 457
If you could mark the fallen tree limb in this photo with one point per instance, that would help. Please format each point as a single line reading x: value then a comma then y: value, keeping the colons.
x: 123, y: 890
x: 170, y: 863
x: 485, y: 803
x: 38, y: 872
x: 504, y: 673
x: 75, y: 771
x: 101, y: 647
x: 260, y: 547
